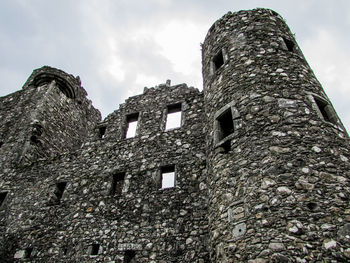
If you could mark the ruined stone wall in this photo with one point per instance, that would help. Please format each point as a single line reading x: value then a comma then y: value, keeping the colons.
x: 50, y: 115
x: 132, y: 218
x: 278, y: 155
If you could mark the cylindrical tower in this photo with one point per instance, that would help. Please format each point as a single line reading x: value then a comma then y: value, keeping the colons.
x: 278, y: 155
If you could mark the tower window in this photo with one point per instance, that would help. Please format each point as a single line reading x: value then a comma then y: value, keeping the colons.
x: 102, y: 132
x: 225, y: 124
x: 289, y: 44
x: 326, y: 110
x: 218, y: 60
x: 173, y: 118
x: 129, y: 256
x: 59, y: 189
x: 168, y: 177
x: 131, y: 128
x: 2, y: 198
x: 117, y: 184
x: 65, y: 250
x: 94, y: 249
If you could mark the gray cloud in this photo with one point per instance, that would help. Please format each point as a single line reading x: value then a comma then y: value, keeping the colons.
x: 118, y: 47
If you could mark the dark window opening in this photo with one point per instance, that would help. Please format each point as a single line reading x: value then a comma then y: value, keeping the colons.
x: 225, y: 124
x: 94, y: 249
x: 131, y: 128
x: 34, y: 139
x: 102, y: 132
x: 218, y: 60
x: 129, y: 256
x: 227, y: 146
x: 1, y: 143
x: 311, y: 206
x: 60, y: 187
x: 65, y: 251
x: 326, y: 110
x: 289, y: 44
x: 173, y: 118
x: 117, y: 184
x: 2, y: 197
x: 168, y: 177
x: 28, y: 252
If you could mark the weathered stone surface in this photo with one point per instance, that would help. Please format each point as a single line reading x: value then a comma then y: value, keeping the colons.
x: 287, y: 156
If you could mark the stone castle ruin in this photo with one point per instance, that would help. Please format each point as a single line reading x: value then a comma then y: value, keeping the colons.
x: 255, y: 167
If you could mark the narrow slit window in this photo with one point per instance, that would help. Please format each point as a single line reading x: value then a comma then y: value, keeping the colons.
x: 218, y: 60
x: 94, y: 249
x: 289, y: 44
x: 60, y: 187
x: 326, y: 110
x: 102, y: 132
x: 65, y: 250
x: 1, y: 143
x: 131, y: 128
x: 129, y: 256
x: 2, y: 198
x: 174, y: 117
x: 225, y: 124
x: 168, y: 177
x: 117, y: 184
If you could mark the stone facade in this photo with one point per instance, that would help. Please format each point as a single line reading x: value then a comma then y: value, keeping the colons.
x: 257, y: 169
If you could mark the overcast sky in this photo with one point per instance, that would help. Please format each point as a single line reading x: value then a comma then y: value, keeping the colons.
x: 117, y: 47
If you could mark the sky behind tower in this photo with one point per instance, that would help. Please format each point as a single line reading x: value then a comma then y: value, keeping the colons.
x: 118, y: 47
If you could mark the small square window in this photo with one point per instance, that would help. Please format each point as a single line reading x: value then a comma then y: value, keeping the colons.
x: 2, y: 198
x: 326, y: 110
x: 131, y: 129
x: 102, y: 132
x: 168, y: 177
x: 117, y: 184
x: 174, y: 117
x: 225, y: 124
x: 218, y: 60
x: 94, y: 249
x: 289, y: 44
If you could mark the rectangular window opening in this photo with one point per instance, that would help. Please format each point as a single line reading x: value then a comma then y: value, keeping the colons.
x: 289, y: 44
x: 60, y: 187
x: 94, y: 249
x: 2, y: 198
x: 117, y: 184
x: 168, y: 177
x: 218, y: 60
x: 326, y: 110
x: 102, y: 132
x: 129, y: 256
x: 174, y: 117
x: 227, y: 146
x: 225, y: 124
x: 131, y: 128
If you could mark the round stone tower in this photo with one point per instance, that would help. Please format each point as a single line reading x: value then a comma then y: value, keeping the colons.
x: 278, y: 155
